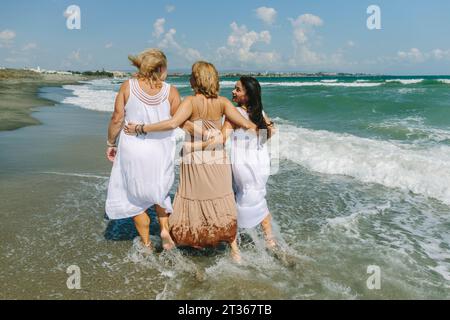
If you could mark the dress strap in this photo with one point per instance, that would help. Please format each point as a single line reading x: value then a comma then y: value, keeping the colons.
x: 242, y: 111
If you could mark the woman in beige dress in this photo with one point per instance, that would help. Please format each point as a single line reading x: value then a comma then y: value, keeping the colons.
x: 204, y: 209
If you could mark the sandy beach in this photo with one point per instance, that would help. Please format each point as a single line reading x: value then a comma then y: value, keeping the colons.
x: 19, y: 95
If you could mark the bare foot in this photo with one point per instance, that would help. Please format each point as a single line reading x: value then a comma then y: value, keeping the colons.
x: 284, y: 257
x: 167, y: 242
x: 271, y: 244
x: 236, y: 256
x: 145, y: 248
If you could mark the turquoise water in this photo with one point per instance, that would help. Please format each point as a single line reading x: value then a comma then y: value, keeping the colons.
x: 361, y: 178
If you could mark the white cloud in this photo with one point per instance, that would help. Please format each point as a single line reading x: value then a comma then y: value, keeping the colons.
x: 305, y: 56
x: 109, y: 45
x: 303, y: 25
x: 6, y: 38
x: 170, y: 44
x: 303, y: 30
x: 309, y: 19
x: 170, y: 8
x: 74, y: 55
x: 7, y: 35
x: 240, y: 48
x: 268, y: 15
x: 440, y: 54
x: 415, y: 55
x: 29, y: 46
x: 77, y: 59
x: 158, y: 27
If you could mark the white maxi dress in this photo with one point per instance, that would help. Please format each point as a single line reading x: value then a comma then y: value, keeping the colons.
x: 251, y: 170
x: 143, y: 170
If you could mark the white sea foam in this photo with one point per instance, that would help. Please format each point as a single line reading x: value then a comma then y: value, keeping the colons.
x: 406, y: 81
x: 85, y: 96
x: 446, y: 81
x: 98, y: 95
x: 420, y: 170
x: 78, y: 175
x: 230, y: 84
x: 414, y: 128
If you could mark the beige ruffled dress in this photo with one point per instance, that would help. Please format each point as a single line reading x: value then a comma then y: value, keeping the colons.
x: 204, y: 208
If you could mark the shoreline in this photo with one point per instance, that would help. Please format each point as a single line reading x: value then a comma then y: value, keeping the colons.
x: 19, y: 91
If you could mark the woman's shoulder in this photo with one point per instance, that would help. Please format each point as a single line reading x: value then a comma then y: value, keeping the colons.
x: 125, y: 85
x: 172, y: 89
x: 223, y: 100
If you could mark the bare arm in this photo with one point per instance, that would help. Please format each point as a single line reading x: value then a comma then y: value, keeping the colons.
x: 227, y: 130
x: 183, y: 113
x: 117, y: 119
x: 271, y: 130
x: 174, y: 100
x: 234, y: 116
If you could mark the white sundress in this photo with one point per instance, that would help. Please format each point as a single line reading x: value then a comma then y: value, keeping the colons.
x: 251, y: 170
x: 143, y: 170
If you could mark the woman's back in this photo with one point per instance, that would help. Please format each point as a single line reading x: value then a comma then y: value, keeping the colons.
x: 142, y: 107
x: 207, y: 109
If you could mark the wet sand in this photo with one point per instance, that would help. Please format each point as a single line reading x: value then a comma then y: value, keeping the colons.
x: 19, y: 95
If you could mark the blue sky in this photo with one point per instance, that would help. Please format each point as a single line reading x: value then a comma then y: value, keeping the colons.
x: 282, y: 35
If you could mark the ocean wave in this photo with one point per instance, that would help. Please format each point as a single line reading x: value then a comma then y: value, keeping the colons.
x: 406, y: 81
x: 446, y: 81
x: 406, y: 233
x: 412, y: 128
x: 420, y: 170
x: 87, y: 97
x: 230, y: 84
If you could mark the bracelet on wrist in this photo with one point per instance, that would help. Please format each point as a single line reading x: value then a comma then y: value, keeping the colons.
x: 111, y: 145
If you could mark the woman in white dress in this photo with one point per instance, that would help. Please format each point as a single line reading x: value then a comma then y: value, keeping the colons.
x: 143, y: 165
x: 250, y: 158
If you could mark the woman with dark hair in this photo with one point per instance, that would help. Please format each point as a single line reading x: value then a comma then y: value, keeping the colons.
x: 250, y: 158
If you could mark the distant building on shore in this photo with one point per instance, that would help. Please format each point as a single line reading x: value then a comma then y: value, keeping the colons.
x: 39, y: 70
x: 120, y: 74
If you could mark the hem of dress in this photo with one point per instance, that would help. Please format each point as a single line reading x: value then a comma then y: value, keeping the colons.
x: 255, y: 208
x: 139, y: 212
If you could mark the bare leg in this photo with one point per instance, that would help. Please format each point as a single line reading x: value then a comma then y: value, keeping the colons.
x: 235, y: 253
x: 142, y: 223
x: 266, y: 225
x: 163, y: 219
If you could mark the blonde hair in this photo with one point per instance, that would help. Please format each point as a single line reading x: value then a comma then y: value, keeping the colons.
x: 149, y: 63
x: 205, y: 79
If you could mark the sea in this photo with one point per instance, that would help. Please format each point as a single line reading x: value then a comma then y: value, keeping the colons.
x: 359, y: 193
